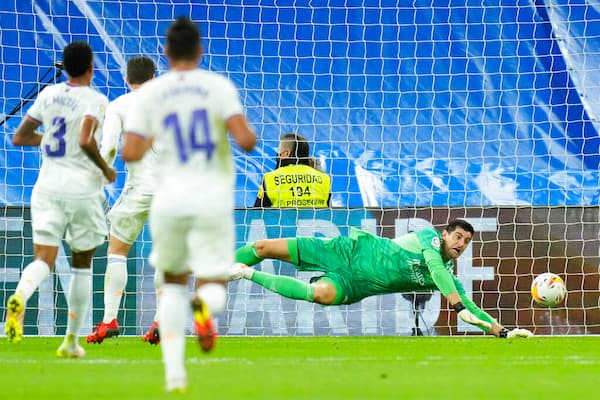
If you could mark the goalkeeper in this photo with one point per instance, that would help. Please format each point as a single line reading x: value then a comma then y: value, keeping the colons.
x: 364, y: 265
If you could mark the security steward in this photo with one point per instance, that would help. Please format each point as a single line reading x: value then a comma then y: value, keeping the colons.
x: 296, y: 182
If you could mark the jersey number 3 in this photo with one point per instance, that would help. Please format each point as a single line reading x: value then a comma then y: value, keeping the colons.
x: 196, y: 138
x: 58, y: 147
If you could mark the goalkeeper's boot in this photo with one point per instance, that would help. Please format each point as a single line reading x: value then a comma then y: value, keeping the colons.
x: 204, y: 325
x: 15, y: 311
x: 102, y: 331
x: 70, y: 348
x: 152, y: 335
x: 239, y: 271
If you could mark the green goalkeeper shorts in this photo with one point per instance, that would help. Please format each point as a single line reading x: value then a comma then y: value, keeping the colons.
x: 333, y: 257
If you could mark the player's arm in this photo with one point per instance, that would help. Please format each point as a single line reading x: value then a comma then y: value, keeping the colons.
x: 440, y: 275
x: 135, y: 147
x: 496, y: 329
x: 25, y: 135
x: 445, y: 282
x: 111, y: 132
x: 88, y: 144
x: 138, y: 137
x: 232, y: 112
x: 475, y: 310
x: 242, y: 133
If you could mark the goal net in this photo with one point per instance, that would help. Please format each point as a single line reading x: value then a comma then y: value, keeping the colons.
x: 420, y: 112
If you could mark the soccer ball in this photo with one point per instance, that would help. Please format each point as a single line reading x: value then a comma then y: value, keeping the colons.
x: 548, y: 289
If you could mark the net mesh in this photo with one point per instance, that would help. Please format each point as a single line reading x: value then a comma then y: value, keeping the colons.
x: 420, y: 112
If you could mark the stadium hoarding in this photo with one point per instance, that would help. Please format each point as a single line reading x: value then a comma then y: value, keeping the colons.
x: 511, y: 246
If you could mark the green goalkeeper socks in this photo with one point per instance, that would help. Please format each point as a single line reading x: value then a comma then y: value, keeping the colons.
x: 247, y: 255
x: 285, y: 285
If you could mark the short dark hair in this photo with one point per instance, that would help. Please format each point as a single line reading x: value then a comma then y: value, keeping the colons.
x: 297, y: 145
x: 140, y: 69
x: 460, y: 223
x: 299, y: 149
x: 77, y: 58
x: 183, y: 39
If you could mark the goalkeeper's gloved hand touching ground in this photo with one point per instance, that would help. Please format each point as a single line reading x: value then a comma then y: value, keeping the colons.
x: 495, y: 329
x: 515, y: 333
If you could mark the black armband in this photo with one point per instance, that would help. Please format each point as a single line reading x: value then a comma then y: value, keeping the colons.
x: 503, y: 333
x: 458, y: 307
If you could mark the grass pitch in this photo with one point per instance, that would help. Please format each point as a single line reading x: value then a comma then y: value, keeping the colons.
x: 311, y: 368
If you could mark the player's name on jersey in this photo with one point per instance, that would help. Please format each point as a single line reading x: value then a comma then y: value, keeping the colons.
x: 65, y: 101
x: 181, y: 90
x: 297, y: 178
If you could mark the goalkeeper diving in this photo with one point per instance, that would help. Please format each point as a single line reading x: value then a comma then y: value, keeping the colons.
x: 363, y: 265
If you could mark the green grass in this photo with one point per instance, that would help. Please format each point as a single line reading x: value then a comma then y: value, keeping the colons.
x: 312, y: 368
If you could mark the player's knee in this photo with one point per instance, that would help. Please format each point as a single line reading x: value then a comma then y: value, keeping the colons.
x: 324, y: 293
x: 272, y: 248
x: 83, y: 259
x: 116, y: 246
x: 262, y: 248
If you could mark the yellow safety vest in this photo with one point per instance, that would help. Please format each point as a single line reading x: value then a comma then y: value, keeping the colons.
x: 297, y: 186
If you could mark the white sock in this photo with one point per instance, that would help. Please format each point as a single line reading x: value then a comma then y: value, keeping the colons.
x: 158, y: 282
x: 172, y: 314
x: 214, y: 296
x: 115, y: 281
x: 31, y: 277
x: 78, y: 298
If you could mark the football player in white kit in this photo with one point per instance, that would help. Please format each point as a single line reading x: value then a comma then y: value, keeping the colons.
x: 130, y: 212
x: 185, y: 115
x: 67, y: 199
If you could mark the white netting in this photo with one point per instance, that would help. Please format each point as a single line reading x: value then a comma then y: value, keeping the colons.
x: 419, y: 111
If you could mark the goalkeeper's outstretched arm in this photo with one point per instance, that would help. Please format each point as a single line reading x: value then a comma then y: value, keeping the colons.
x: 468, y: 311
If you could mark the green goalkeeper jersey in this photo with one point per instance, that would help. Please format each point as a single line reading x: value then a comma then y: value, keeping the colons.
x: 366, y: 265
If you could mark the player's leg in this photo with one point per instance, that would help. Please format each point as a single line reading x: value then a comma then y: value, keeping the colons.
x: 209, y: 299
x: 78, y: 299
x: 308, y: 254
x: 33, y: 274
x: 169, y: 256
x: 211, y: 244
x: 48, y: 226
x: 278, y: 249
x: 85, y: 232
x: 152, y: 335
x: 127, y: 218
x: 172, y: 313
x: 44, y: 257
x: 322, y: 291
x: 115, y: 280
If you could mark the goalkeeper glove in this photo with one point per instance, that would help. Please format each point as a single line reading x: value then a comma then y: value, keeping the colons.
x: 515, y: 333
x: 469, y: 318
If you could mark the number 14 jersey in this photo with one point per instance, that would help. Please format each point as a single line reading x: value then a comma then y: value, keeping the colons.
x: 185, y: 113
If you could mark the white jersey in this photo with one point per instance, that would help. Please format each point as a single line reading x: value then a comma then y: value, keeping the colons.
x: 140, y: 174
x: 185, y: 113
x: 66, y: 170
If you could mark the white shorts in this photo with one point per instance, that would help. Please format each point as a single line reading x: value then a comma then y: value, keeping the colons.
x: 80, y: 221
x: 203, y: 245
x: 129, y: 214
